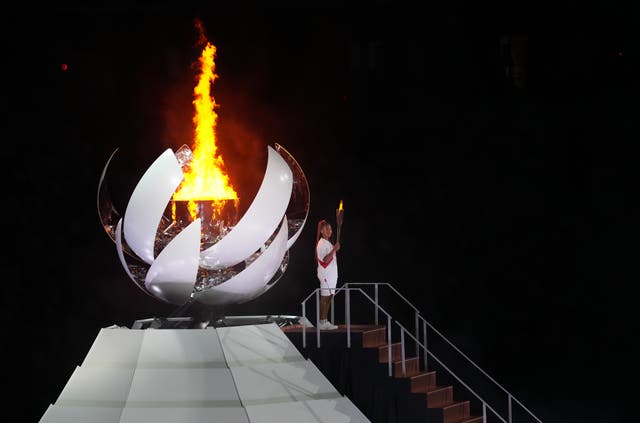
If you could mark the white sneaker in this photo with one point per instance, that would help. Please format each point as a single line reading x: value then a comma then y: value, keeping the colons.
x: 329, y: 326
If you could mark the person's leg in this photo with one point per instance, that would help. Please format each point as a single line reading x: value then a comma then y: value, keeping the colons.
x: 329, y: 298
x: 325, y: 301
x: 329, y: 325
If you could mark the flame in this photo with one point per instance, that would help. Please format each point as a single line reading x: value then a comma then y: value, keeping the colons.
x: 205, y: 177
x: 340, y: 206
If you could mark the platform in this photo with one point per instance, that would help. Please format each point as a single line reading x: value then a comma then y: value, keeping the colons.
x: 238, y: 374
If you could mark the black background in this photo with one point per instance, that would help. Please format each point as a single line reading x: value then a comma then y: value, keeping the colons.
x: 503, y: 212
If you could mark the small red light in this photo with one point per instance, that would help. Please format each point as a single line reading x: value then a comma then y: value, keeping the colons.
x: 64, y: 67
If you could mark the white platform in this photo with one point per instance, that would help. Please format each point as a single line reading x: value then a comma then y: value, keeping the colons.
x: 282, y: 382
x: 257, y: 344
x: 339, y: 410
x: 239, y: 374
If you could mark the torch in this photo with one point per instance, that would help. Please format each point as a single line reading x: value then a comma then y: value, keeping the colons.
x: 339, y: 215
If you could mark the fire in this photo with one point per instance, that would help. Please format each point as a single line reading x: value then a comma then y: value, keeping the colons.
x: 340, y: 206
x: 205, y: 179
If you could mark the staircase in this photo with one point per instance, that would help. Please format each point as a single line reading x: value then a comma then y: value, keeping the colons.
x: 365, y: 362
x: 371, y: 352
x: 440, y: 401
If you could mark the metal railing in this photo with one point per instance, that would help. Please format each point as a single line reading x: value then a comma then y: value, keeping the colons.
x: 485, y: 404
x: 347, y: 303
x: 420, y: 346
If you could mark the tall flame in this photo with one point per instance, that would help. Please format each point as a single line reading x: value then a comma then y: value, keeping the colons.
x: 205, y: 178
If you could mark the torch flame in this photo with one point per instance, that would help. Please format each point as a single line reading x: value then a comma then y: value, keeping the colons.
x: 205, y: 178
x: 340, y: 206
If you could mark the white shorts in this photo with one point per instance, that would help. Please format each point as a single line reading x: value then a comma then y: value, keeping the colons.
x: 328, y: 287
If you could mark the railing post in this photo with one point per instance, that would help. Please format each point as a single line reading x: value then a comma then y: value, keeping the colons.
x: 375, y: 297
x: 347, y: 296
x: 510, y: 398
x: 424, y: 335
x: 484, y: 412
x: 333, y: 315
x: 404, y: 365
x: 318, y: 318
x: 417, y: 326
x: 304, y: 332
x: 389, y: 342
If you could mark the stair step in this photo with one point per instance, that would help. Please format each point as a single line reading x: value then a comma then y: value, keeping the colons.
x: 374, y: 338
x: 453, y: 411
x: 423, y: 381
x: 396, y: 352
x: 411, y: 364
x: 440, y: 395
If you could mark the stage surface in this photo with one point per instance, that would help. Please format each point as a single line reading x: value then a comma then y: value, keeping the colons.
x: 238, y: 374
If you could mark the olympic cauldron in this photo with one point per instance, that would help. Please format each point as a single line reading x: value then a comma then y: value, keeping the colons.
x: 212, y: 258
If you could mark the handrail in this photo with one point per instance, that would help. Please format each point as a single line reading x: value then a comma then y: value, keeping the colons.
x: 376, y: 284
x: 419, y: 317
x: 484, y: 403
x: 348, y: 318
x: 309, y: 296
x: 344, y: 288
x: 390, y: 286
x: 472, y: 362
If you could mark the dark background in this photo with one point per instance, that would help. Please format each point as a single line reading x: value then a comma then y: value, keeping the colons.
x: 483, y: 154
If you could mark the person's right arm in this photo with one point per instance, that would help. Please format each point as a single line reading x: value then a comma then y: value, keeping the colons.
x: 331, y: 253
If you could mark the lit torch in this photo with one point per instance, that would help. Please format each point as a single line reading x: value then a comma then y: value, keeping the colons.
x: 339, y: 216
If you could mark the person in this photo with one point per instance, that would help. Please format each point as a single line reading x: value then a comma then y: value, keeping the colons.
x: 327, y: 271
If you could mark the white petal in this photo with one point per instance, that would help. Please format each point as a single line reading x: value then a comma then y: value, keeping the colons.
x: 148, y: 202
x: 120, y: 248
x: 253, y: 278
x: 260, y: 220
x: 173, y: 274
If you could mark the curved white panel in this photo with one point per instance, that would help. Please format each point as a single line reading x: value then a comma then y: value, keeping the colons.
x: 295, y: 236
x: 299, y: 201
x: 119, y: 247
x: 274, y: 280
x: 173, y: 274
x: 148, y: 202
x: 258, y: 223
x: 106, y: 211
x: 253, y: 278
